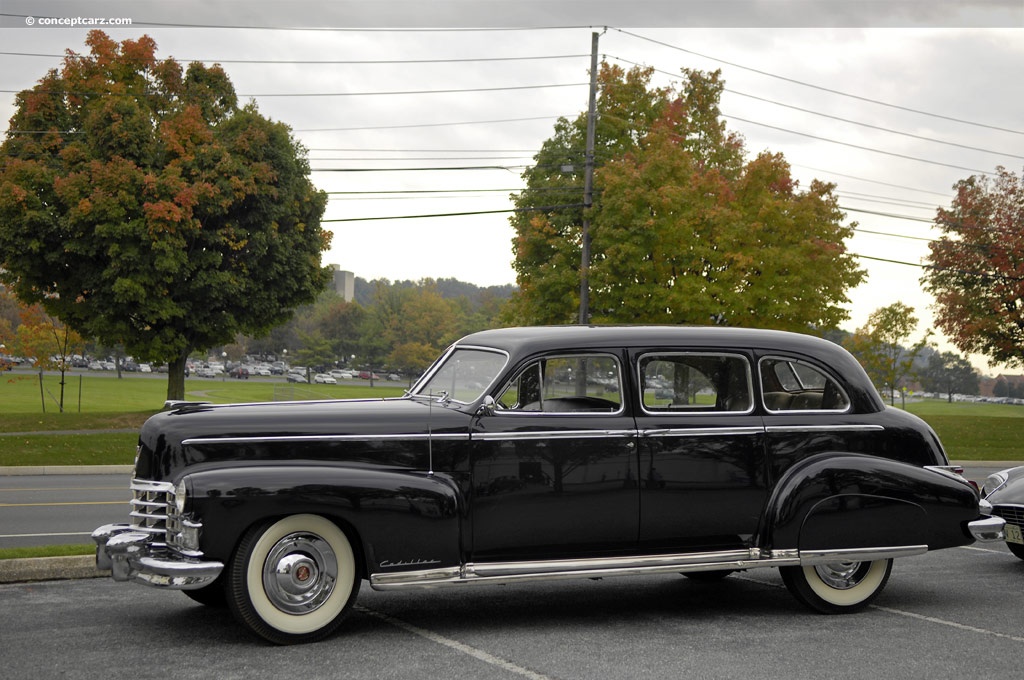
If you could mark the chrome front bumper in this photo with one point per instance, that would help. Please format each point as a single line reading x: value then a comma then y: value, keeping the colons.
x: 133, y: 555
x: 988, y: 528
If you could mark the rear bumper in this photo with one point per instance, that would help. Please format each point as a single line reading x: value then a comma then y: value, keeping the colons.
x: 133, y: 555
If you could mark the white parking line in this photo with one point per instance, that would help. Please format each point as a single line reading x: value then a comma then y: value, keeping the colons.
x: 456, y: 645
x: 920, y: 617
x: 951, y: 624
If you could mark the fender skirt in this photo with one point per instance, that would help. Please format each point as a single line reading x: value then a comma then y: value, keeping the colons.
x: 841, y: 501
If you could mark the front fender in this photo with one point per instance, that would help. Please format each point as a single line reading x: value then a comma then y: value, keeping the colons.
x: 398, y: 520
x: 836, y: 501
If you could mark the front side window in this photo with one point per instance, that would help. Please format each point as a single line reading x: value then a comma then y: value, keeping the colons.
x: 463, y: 375
x: 791, y: 385
x: 565, y: 384
x: 695, y: 383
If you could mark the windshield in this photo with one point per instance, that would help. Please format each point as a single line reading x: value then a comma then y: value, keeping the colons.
x: 463, y: 375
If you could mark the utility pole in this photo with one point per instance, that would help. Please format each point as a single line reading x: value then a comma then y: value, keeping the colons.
x: 588, y: 186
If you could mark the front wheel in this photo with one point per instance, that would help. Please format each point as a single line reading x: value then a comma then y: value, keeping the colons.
x: 293, y: 580
x: 837, y: 587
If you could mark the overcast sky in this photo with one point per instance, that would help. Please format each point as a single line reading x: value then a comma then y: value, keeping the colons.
x: 893, y: 102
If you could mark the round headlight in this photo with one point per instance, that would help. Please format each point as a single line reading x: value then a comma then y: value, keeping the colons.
x: 180, y: 496
x: 993, y: 482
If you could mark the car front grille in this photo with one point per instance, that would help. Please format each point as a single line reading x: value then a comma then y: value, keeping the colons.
x: 150, y: 504
x: 1014, y: 514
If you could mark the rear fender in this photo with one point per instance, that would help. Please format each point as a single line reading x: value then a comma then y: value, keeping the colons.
x: 399, y: 520
x: 839, y: 501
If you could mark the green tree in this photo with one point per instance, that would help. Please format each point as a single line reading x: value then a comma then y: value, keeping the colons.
x: 880, y: 346
x: 975, y: 268
x: 142, y: 206
x: 684, y: 230
x: 951, y: 374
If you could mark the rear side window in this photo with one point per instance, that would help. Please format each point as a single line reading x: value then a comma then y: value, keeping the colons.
x: 791, y: 385
x: 695, y: 383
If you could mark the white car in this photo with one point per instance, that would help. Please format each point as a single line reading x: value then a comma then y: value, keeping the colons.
x: 341, y: 375
x: 324, y: 379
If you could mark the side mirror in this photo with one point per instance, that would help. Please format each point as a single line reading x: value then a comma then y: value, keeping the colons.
x: 488, y: 406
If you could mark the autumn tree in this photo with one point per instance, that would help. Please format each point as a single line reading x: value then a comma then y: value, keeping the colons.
x: 881, y: 346
x: 976, y: 268
x: 684, y: 229
x: 48, y: 342
x: 141, y: 205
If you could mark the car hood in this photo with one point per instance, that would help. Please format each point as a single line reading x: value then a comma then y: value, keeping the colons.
x: 198, y: 433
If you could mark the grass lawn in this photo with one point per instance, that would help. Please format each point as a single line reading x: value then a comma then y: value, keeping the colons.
x: 109, y: 404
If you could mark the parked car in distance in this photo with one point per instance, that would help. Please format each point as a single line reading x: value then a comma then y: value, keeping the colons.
x: 324, y: 379
x: 205, y: 372
x: 702, y: 451
x: 367, y: 375
x: 341, y: 375
x: 295, y: 378
x: 1005, y: 491
x: 240, y: 372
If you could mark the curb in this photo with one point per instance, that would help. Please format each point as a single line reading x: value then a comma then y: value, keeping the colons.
x: 49, y: 569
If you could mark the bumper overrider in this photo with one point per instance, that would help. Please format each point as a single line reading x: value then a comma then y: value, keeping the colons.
x: 988, y: 527
x: 133, y: 555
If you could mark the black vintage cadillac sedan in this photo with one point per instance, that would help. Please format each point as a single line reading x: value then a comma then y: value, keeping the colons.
x: 546, y: 453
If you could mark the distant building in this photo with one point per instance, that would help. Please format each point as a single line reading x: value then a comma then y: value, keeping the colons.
x: 344, y: 283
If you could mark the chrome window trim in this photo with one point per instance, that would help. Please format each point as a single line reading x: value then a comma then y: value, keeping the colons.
x: 819, y: 369
x: 566, y: 354
x: 683, y: 412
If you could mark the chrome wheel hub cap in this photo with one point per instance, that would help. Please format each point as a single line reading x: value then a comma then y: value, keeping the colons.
x: 300, y: 573
x: 841, y: 575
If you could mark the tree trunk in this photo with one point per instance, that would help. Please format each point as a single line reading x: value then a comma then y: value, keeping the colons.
x: 176, y: 377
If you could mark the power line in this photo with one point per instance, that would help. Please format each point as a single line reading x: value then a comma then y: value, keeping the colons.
x: 843, y: 120
x: 858, y: 146
x: 456, y: 214
x: 507, y: 88
x: 327, y: 61
x: 817, y: 87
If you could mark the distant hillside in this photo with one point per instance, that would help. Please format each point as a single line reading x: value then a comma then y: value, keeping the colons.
x: 448, y: 288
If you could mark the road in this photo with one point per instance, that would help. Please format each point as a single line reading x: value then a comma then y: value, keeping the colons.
x: 64, y: 509
x: 59, y: 509
x: 949, y: 614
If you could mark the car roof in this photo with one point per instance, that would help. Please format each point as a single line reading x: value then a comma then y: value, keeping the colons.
x: 541, y: 338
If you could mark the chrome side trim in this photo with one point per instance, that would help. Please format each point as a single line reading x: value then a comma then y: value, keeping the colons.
x: 517, y: 572
x: 462, y: 436
x: 702, y: 431
x: 824, y: 428
x: 551, y: 434
x: 811, y: 557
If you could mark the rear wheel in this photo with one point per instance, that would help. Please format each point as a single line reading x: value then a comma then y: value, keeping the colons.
x: 837, y: 587
x: 293, y: 580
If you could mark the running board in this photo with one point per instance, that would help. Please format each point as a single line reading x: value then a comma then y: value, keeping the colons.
x: 604, y: 567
